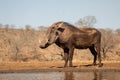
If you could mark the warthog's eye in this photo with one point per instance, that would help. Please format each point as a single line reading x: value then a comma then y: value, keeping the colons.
x: 61, y: 29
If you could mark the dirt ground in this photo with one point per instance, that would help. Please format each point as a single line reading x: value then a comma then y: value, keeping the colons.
x: 36, y: 66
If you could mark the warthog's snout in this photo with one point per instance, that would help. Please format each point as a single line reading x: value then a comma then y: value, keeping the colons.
x: 43, y: 45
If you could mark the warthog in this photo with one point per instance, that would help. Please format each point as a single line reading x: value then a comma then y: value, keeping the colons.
x: 69, y: 37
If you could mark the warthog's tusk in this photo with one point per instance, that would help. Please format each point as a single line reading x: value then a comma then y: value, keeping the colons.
x: 39, y: 41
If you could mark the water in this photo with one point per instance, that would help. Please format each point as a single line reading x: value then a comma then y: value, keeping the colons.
x: 61, y: 76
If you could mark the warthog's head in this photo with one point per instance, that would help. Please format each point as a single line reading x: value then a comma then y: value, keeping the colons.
x: 51, y: 37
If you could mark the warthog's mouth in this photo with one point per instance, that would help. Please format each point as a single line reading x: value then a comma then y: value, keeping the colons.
x: 44, y: 46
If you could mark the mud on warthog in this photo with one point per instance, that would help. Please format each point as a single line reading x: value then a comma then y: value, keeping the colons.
x: 69, y: 37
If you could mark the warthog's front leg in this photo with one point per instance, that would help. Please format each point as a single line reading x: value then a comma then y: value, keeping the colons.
x: 71, y: 57
x: 66, y: 56
x: 66, y: 59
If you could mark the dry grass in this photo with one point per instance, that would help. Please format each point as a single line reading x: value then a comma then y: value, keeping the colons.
x: 22, y: 45
x: 19, y: 51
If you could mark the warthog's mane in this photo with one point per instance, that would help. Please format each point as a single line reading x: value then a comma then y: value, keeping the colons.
x: 74, y: 28
x: 62, y: 23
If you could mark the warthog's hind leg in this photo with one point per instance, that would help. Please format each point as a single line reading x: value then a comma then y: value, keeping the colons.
x: 94, y: 53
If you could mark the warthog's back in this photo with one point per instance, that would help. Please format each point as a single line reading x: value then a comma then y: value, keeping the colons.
x: 89, y: 30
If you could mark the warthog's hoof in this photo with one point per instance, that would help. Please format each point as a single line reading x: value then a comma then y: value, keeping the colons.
x: 94, y: 64
x: 100, y: 65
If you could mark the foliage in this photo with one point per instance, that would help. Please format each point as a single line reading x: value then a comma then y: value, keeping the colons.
x: 87, y: 21
x: 22, y: 45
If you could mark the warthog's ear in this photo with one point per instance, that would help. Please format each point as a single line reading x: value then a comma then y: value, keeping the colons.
x: 61, y: 29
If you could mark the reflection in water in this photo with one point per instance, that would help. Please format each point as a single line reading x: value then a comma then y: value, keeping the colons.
x: 97, y: 75
x: 82, y: 75
x: 69, y: 76
x: 92, y: 75
x: 61, y: 76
